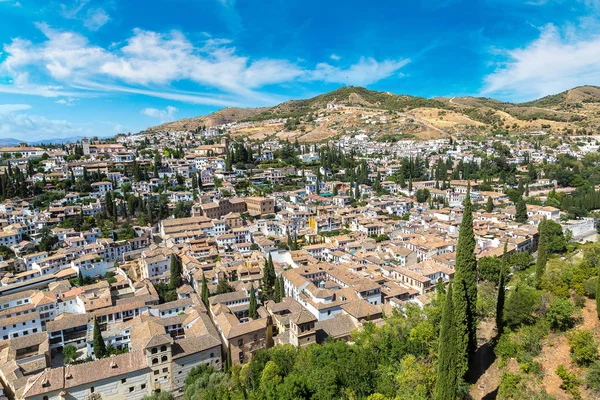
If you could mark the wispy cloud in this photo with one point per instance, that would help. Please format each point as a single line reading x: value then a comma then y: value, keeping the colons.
x: 554, y: 62
x: 93, y: 18
x: 21, y: 125
x: 68, y: 101
x: 168, y: 114
x: 8, y: 108
x: 335, y: 57
x: 150, y: 63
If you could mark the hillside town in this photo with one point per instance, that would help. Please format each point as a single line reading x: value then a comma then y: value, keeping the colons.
x: 128, y: 262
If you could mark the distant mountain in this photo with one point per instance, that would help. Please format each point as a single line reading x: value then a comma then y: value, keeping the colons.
x: 15, y: 142
x: 574, y: 111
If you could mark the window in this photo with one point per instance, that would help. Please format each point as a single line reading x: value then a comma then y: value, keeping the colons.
x: 154, y: 361
x: 131, y: 389
x: 156, y: 372
x: 143, y: 386
x: 154, y: 350
x: 163, y: 348
x: 240, y: 342
x: 123, y: 380
x: 163, y: 359
x: 165, y: 370
x: 92, y: 389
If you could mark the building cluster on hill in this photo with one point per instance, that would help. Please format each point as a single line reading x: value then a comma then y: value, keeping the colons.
x: 126, y: 264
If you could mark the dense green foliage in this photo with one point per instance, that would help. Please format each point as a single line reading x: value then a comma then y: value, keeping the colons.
x: 465, y: 292
x: 395, y: 360
x: 446, y: 386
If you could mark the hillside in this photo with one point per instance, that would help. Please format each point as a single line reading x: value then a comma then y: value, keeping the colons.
x: 387, y: 116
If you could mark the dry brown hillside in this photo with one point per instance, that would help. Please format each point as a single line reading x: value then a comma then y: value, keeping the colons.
x: 386, y: 116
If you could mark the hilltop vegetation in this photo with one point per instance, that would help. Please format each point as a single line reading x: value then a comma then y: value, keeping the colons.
x: 576, y: 111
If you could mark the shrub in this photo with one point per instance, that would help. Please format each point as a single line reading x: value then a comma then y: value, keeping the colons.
x: 589, y: 287
x: 584, y: 348
x: 579, y: 300
x: 570, y: 383
x: 560, y: 314
x: 509, y: 386
x: 593, y: 377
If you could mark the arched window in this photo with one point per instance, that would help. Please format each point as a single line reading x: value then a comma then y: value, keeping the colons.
x: 154, y: 361
x: 154, y: 350
x: 163, y: 348
x: 163, y: 359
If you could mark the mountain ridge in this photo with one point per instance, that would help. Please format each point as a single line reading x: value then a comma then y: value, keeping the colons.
x: 573, y: 110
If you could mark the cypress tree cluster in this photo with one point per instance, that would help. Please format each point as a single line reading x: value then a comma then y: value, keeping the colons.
x: 269, y: 277
x: 446, y: 385
x: 464, y: 294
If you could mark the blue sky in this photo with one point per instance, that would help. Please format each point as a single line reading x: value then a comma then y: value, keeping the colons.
x: 85, y: 67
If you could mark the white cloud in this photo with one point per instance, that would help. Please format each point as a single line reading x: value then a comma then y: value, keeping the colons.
x: 8, y: 108
x: 69, y: 101
x: 96, y: 18
x: 27, y: 126
x: 150, y: 63
x: 168, y: 114
x: 335, y: 57
x: 93, y: 18
x: 365, y: 72
x: 552, y: 63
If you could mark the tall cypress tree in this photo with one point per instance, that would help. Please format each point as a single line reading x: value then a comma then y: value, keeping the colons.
x: 542, y: 256
x: 598, y: 293
x: 489, y: 207
x: 446, y: 384
x: 281, y: 287
x: 252, y: 313
x: 99, y: 345
x: 175, y: 278
x: 268, y: 278
x: 465, y: 291
x: 277, y: 292
x: 205, y: 292
x: 501, y: 295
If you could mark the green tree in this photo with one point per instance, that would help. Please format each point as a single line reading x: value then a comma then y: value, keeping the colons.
x: 521, y: 211
x: 281, y: 287
x: 69, y: 353
x: 205, y: 292
x: 501, y: 295
x: 80, y: 278
x: 465, y: 291
x: 252, y: 308
x: 489, y: 207
x: 584, y: 348
x: 269, y: 277
x: 598, y: 293
x: 277, y: 292
x: 521, y: 302
x: 98, y: 344
x: 446, y: 385
x: 489, y: 268
x: 175, y: 273
x: 224, y: 287
x: 542, y: 256
x: 560, y: 314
